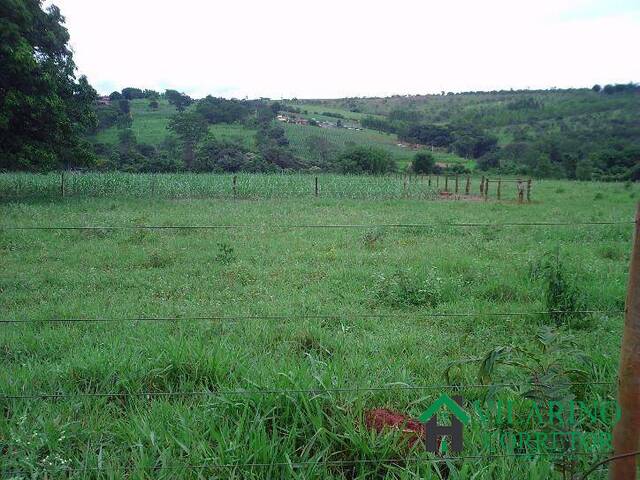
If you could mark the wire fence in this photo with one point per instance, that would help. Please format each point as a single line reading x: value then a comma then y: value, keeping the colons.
x: 298, y: 391
x: 257, y: 186
x: 233, y: 318
x: 314, y: 226
x: 316, y: 392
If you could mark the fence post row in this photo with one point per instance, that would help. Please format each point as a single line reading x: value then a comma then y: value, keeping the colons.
x: 626, y: 432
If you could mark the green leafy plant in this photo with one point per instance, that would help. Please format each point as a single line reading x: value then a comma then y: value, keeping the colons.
x: 543, y: 364
x: 226, y: 254
x: 408, y: 289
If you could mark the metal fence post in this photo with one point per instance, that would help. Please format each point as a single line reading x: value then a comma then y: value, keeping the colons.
x: 626, y: 433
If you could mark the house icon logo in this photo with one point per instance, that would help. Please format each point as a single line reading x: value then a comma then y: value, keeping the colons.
x: 434, y: 432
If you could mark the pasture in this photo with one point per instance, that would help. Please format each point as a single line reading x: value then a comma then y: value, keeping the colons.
x: 272, y: 340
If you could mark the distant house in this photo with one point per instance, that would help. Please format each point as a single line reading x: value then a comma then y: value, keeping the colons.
x: 103, y: 100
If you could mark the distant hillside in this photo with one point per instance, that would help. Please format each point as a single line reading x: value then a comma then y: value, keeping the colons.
x: 579, y: 133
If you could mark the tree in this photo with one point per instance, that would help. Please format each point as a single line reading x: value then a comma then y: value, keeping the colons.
x: 221, y: 110
x: 115, y: 96
x: 131, y: 93
x: 179, y: 100
x: 596, y: 88
x: 423, y: 162
x: 366, y: 160
x: 190, y: 127
x: 584, y: 169
x: 44, y: 108
x: 124, y: 106
x: 213, y: 155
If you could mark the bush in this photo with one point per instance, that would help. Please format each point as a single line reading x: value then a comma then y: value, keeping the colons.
x: 366, y: 160
x: 423, y: 162
x: 214, y: 155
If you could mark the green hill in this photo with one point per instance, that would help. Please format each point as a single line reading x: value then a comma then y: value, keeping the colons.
x: 580, y: 133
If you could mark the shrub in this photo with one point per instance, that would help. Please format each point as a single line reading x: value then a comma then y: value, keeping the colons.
x: 423, y: 162
x: 366, y: 160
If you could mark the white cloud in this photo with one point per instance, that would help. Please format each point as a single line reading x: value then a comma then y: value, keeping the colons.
x: 340, y: 48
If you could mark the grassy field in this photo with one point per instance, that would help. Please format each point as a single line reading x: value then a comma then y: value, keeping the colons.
x: 371, y: 289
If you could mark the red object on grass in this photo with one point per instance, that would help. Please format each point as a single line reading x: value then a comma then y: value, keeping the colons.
x: 380, y: 419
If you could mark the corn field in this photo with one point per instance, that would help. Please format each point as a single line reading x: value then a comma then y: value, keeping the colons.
x: 190, y: 185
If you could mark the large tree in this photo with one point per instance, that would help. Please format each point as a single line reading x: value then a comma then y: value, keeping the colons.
x: 190, y: 127
x: 44, y: 108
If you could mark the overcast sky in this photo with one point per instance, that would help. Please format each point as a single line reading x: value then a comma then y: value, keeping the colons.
x: 338, y: 48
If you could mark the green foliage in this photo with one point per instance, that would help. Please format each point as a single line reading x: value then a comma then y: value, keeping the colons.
x: 221, y: 110
x: 213, y: 155
x: 179, y: 100
x: 408, y: 289
x: 44, y: 109
x: 550, y: 365
x: 366, y: 160
x: 562, y: 297
x: 423, y: 162
x: 190, y: 127
x: 226, y: 254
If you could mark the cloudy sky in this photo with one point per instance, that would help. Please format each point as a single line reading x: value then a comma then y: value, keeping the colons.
x: 338, y: 48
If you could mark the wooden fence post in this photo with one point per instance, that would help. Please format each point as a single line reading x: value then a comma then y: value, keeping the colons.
x: 468, y: 186
x: 404, y: 186
x: 429, y: 180
x: 486, y: 189
x: 626, y: 433
x: 482, y: 186
x: 456, y: 183
x: 499, y: 182
x: 235, y: 189
x: 529, y: 191
x: 316, y: 186
x: 446, y: 183
x: 437, y: 180
x: 62, y: 183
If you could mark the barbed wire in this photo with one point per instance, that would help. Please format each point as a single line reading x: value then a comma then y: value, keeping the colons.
x: 307, y: 316
x: 312, y: 226
x: 287, y: 391
x: 348, y: 462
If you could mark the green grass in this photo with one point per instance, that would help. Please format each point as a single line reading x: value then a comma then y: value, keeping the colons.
x: 149, y: 126
x: 280, y: 271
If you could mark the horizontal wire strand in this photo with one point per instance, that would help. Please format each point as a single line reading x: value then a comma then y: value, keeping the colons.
x: 356, y: 461
x: 312, y: 226
x: 306, y: 317
x: 312, y: 391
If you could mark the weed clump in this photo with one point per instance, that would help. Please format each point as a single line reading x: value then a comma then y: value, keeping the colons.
x: 226, y: 254
x: 158, y: 260
x: 562, y: 297
x: 408, y: 289
x: 372, y: 238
